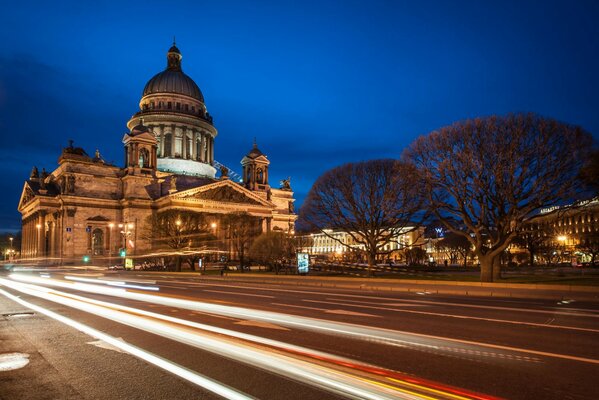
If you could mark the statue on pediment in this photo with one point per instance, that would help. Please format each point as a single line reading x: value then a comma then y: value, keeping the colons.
x: 224, y: 172
x: 286, y: 184
x: 70, y: 184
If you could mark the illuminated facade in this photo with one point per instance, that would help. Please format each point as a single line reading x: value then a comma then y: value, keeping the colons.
x: 569, y: 234
x: 338, y: 244
x: 87, y: 207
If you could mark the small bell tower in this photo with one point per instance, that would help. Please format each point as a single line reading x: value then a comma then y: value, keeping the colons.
x: 255, y: 170
x: 140, y: 149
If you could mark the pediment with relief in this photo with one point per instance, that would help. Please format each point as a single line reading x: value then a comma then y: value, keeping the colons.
x: 26, y: 196
x: 223, y: 193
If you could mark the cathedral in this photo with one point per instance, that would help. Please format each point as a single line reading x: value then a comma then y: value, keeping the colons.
x: 87, y: 208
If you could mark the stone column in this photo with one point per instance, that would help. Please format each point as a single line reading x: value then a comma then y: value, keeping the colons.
x: 194, y: 145
x: 41, y: 237
x: 173, y: 141
x: 211, y: 150
x: 184, y: 143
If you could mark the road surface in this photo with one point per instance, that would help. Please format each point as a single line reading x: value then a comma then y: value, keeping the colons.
x: 99, y: 335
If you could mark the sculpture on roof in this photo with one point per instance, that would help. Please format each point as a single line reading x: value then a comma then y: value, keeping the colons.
x: 286, y: 184
x: 34, y: 173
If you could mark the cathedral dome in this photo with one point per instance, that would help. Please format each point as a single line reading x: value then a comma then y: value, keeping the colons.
x: 172, y: 80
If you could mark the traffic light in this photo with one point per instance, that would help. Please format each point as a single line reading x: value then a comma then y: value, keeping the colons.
x: 85, y: 259
x: 123, y: 252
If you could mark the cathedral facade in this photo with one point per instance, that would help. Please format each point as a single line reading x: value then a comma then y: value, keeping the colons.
x: 87, y: 207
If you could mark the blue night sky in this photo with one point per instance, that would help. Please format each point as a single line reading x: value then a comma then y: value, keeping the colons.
x: 317, y: 83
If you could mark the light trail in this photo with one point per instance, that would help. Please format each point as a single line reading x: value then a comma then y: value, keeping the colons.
x: 319, y: 376
x: 111, y: 283
x: 151, y: 358
x: 417, y: 341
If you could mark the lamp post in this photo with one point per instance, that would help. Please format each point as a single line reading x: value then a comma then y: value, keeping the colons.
x: 110, y: 226
x: 126, y: 231
x: 214, y: 226
x: 12, y: 252
x: 562, y: 239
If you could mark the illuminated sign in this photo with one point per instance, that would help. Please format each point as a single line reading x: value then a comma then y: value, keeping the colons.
x: 128, y: 263
x: 303, y: 263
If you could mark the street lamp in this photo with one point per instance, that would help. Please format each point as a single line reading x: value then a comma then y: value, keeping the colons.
x: 110, y: 225
x: 125, y: 232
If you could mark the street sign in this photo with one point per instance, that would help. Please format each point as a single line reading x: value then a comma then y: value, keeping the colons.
x: 122, y: 252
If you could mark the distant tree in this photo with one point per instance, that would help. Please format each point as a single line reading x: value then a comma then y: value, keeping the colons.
x: 242, y: 229
x: 456, y: 246
x: 372, y: 201
x: 590, y: 172
x: 415, y: 255
x: 492, y: 174
x: 179, y: 230
x: 274, y: 249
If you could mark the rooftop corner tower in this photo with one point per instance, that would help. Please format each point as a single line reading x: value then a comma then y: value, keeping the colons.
x: 172, y: 107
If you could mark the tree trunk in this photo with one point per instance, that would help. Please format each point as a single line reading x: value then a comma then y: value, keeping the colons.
x: 371, y: 264
x: 178, y: 264
x: 497, y: 268
x: 532, y: 258
x: 486, y: 268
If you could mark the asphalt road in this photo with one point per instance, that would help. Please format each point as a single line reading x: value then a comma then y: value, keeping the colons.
x: 285, y: 342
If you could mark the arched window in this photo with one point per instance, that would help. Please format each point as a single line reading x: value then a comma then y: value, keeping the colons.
x: 260, y: 178
x: 168, y: 145
x: 144, y: 158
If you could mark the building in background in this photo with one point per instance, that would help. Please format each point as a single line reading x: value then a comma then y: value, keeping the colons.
x: 88, y: 207
x: 340, y: 245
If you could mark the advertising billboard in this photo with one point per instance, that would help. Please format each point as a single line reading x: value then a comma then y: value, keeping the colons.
x: 303, y: 263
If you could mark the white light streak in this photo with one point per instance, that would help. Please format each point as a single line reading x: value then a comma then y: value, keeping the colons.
x: 151, y: 358
x: 319, y: 376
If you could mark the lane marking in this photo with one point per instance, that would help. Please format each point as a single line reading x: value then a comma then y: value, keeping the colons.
x: 505, y: 321
x: 240, y: 294
x: 103, y: 345
x: 261, y: 324
x: 346, y: 312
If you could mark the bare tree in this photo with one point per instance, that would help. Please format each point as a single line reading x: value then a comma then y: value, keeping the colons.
x: 455, y: 246
x: 372, y: 201
x: 492, y: 174
x: 179, y: 230
x: 273, y: 249
x: 242, y: 229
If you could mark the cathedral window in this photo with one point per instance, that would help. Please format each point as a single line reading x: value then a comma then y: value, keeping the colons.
x: 178, y: 106
x: 152, y: 105
x: 169, y: 105
x: 144, y: 158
